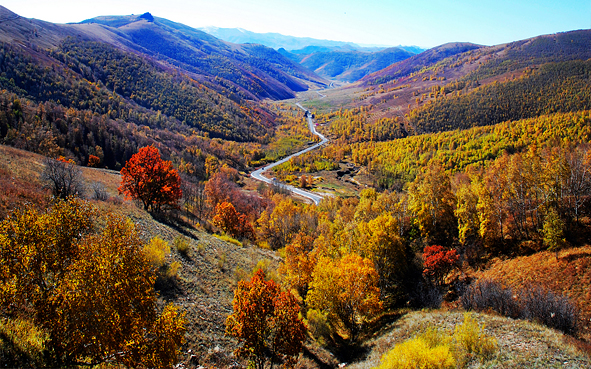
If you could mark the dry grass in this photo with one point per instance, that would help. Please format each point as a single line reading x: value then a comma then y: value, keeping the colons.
x: 569, y: 275
x: 521, y: 344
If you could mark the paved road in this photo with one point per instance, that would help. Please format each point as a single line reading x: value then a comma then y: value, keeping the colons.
x: 258, y: 174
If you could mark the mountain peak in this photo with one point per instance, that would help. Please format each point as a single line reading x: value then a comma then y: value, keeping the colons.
x: 147, y: 16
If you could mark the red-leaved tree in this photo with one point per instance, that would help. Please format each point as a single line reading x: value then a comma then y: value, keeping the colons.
x: 231, y: 221
x: 266, y: 323
x: 438, y: 262
x: 153, y: 181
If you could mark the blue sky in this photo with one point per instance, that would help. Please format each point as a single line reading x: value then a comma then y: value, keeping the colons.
x: 424, y: 23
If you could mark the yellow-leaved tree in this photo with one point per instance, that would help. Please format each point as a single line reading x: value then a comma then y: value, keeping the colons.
x: 347, y: 291
x: 91, y: 291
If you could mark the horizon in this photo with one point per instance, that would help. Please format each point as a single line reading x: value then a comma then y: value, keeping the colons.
x: 426, y: 23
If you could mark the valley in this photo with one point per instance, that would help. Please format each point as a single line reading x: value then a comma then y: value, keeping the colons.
x: 171, y: 199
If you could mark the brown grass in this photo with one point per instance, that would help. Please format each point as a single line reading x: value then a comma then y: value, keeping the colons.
x: 569, y: 274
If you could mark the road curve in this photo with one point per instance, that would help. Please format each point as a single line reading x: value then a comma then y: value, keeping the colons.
x: 258, y: 174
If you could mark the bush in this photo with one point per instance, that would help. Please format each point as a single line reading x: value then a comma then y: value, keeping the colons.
x: 99, y: 192
x: 182, y: 245
x: 550, y: 309
x: 155, y: 251
x: 173, y: 270
x: 490, y: 295
x: 471, y: 339
x: 430, y: 350
x: 534, y: 303
x: 229, y: 239
x: 434, y: 349
x: 63, y: 178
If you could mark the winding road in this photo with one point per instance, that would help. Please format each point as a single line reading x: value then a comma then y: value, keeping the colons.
x: 258, y: 174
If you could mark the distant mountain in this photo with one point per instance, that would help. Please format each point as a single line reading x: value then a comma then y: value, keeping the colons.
x: 345, y: 65
x: 274, y: 40
x: 261, y: 71
x: 142, y: 70
x: 292, y: 43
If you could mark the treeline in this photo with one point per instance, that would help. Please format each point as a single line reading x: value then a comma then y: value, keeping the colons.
x: 399, y: 161
x: 554, y: 88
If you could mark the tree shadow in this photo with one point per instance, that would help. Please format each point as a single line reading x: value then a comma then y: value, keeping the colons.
x: 347, y: 351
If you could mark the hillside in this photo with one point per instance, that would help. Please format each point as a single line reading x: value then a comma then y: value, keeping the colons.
x: 567, y: 272
x: 521, y: 344
x: 462, y: 85
x: 418, y: 62
x: 190, y: 50
x: 210, y: 268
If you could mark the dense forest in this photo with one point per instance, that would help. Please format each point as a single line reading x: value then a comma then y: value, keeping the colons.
x: 554, y: 88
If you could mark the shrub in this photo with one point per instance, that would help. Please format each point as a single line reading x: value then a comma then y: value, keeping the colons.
x: 471, y: 338
x: 490, y: 295
x: 229, y: 239
x: 182, y: 245
x: 546, y: 307
x: 63, y: 178
x: 434, y: 349
x: 533, y: 303
x: 438, y: 262
x: 156, y: 251
x: 99, y: 192
x: 430, y: 350
x: 173, y: 269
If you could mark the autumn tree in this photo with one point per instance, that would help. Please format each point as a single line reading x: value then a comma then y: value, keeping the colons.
x: 347, y: 291
x: 299, y: 263
x: 432, y: 203
x: 153, y: 181
x: 381, y: 243
x: 438, y: 262
x: 265, y: 321
x: 92, y: 292
x: 279, y: 226
x: 93, y: 161
x: 232, y: 222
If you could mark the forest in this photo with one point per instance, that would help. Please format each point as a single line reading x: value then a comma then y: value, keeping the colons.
x: 132, y: 235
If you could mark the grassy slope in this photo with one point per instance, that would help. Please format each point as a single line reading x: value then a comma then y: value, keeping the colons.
x: 204, y: 288
x: 521, y: 344
x: 569, y: 274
